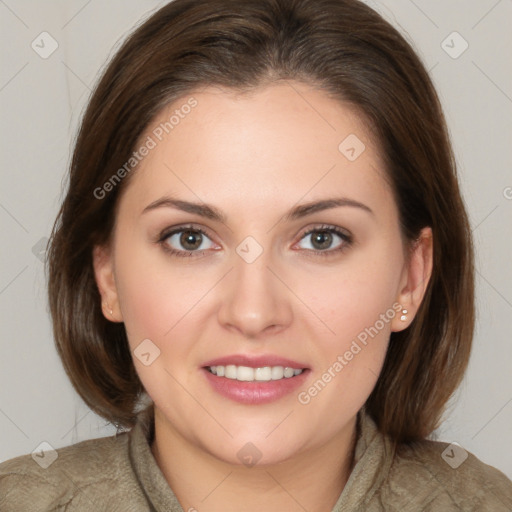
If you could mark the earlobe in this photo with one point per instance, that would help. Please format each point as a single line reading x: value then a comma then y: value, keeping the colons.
x: 105, y: 280
x: 416, y: 278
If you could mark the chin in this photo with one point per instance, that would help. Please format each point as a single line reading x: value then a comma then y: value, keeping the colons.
x: 253, y: 454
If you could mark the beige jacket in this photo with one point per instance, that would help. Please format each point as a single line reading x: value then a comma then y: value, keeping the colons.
x: 120, y: 474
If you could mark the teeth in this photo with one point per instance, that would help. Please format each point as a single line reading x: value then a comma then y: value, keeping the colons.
x: 288, y: 372
x: 248, y: 374
x: 245, y: 373
x: 230, y: 371
x: 263, y: 374
x: 277, y: 372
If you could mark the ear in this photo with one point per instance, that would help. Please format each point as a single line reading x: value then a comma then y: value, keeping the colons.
x: 103, y: 263
x: 415, y: 279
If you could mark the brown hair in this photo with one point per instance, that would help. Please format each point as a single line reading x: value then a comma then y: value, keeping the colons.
x: 350, y: 52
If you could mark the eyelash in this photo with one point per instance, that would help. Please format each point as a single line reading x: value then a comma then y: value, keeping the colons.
x: 347, y: 240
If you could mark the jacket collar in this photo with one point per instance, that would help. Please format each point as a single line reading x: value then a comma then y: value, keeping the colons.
x: 373, y: 456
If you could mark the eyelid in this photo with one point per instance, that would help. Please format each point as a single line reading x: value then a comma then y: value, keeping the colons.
x: 325, y: 227
x: 167, y: 232
x: 343, y: 233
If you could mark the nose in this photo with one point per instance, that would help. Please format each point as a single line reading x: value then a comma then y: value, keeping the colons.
x: 255, y: 298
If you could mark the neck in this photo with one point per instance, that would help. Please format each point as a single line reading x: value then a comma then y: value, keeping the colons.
x: 311, y: 480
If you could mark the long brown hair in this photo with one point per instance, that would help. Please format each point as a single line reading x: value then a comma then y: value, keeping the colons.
x: 354, y: 55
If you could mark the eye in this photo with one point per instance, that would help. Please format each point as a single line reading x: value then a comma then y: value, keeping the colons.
x: 193, y: 241
x: 185, y: 241
x: 323, y: 238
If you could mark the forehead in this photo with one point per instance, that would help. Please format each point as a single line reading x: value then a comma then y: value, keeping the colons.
x: 282, y: 142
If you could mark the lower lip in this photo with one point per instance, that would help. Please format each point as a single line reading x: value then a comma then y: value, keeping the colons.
x: 256, y: 392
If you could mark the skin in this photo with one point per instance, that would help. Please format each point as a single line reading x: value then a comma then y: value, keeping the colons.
x: 254, y: 157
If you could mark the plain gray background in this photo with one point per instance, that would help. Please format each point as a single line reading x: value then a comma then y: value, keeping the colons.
x: 41, y: 103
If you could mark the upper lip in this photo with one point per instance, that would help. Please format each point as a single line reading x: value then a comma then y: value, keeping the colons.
x: 255, y: 361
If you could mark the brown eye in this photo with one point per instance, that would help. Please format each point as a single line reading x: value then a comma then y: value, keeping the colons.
x: 324, y: 237
x: 190, y: 240
x: 321, y: 239
x: 185, y: 241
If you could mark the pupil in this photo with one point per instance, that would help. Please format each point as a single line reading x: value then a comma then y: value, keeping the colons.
x: 323, y: 238
x: 188, y: 238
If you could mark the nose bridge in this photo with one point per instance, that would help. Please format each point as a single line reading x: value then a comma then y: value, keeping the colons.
x: 255, y: 299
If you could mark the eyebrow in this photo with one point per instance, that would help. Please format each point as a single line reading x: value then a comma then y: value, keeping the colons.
x: 213, y: 213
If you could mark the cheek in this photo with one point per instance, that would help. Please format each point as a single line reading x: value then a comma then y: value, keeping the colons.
x: 353, y: 296
x: 157, y: 302
x: 356, y: 303
x: 348, y: 362
x: 144, y: 302
x: 154, y: 292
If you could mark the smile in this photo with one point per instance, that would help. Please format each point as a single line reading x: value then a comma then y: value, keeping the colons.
x: 248, y: 374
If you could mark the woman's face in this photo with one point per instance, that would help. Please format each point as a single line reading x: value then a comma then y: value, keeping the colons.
x: 298, y: 263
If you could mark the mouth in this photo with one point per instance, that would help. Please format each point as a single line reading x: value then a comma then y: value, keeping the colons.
x: 254, y: 380
x: 259, y: 374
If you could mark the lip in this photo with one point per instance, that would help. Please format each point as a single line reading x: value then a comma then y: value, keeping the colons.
x: 255, y: 361
x: 256, y: 392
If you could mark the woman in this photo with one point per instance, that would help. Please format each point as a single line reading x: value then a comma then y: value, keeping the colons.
x: 263, y: 272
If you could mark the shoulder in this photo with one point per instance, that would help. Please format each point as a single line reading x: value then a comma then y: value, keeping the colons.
x: 444, y: 476
x: 77, y: 477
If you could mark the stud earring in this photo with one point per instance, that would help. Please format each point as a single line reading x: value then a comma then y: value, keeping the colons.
x: 404, y: 317
x: 110, y: 309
